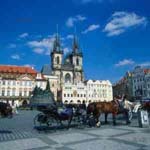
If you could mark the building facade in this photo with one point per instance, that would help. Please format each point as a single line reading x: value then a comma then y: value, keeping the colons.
x: 66, y: 76
x: 98, y: 90
x: 69, y: 69
x: 124, y: 86
x: 141, y: 82
x: 147, y: 83
x: 17, y: 83
x: 135, y: 84
x: 74, y: 93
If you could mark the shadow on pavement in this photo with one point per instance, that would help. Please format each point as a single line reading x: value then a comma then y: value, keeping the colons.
x: 5, y: 131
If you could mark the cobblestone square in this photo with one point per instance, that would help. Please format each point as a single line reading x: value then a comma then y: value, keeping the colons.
x: 19, y: 133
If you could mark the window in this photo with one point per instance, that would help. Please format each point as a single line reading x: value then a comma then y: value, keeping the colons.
x: 77, y: 61
x: 57, y: 60
x: 14, y: 82
x: 3, y: 92
x: 20, y: 83
x: 8, y: 82
x: 68, y: 95
x: 30, y: 83
x: 20, y: 92
x: 64, y: 95
x: 25, y: 93
x: 67, y: 78
x: 25, y: 83
x: 13, y: 92
x: 8, y: 92
x: 3, y: 83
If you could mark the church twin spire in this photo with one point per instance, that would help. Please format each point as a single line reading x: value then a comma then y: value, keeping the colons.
x: 57, y: 44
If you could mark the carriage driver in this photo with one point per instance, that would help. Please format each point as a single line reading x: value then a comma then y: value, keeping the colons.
x: 126, y: 106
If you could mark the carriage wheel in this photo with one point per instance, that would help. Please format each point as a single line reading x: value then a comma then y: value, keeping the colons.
x: 40, y: 120
x: 53, y: 122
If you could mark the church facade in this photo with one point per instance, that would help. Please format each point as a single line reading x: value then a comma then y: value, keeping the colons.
x: 69, y: 69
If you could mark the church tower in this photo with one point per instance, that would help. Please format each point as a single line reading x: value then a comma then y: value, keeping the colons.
x: 56, y: 54
x: 77, y: 61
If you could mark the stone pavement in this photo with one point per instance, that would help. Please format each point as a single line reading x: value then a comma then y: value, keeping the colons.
x: 20, y: 135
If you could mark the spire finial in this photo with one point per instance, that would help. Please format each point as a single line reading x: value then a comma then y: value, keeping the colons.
x: 57, y: 29
x: 57, y: 45
x: 75, y: 42
x: 75, y: 30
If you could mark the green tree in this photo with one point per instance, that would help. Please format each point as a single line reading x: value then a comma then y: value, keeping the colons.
x: 35, y: 91
x: 48, y: 87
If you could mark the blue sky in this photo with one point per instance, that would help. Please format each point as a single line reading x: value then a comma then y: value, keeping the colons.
x: 114, y: 35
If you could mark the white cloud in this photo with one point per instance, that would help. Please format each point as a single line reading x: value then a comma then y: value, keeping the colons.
x: 121, y: 21
x: 125, y: 62
x: 42, y: 46
x: 23, y: 35
x: 80, y: 18
x: 12, y: 45
x: 145, y: 64
x: 38, y: 50
x: 29, y: 65
x: 15, y: 56
x: 46, y: 43
x: 72, y: 20
x: 66, y: 50
x: 91, y: 28
x: 70, y: 36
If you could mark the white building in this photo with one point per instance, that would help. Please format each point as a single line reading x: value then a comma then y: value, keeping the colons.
x: 74, y: 93
x: 98, y: 91
x: 89, y: 91
x: 17, y: 83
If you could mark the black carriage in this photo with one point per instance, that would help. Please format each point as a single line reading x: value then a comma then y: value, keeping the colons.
x: 54, y: 114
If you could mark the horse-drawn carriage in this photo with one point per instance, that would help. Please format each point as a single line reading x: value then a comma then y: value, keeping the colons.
x: 54, y: 114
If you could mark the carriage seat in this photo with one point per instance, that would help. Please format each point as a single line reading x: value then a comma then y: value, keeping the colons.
x: 65, y: 111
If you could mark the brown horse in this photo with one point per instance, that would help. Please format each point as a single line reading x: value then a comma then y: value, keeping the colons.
x: 97, y: 108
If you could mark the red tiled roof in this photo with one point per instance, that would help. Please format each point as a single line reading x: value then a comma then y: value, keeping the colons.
x: 146, y: 71
x: 17, y: 69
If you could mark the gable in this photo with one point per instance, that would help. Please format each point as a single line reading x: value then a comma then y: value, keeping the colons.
x: 25, y: 77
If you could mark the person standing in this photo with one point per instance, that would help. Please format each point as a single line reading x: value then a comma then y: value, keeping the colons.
x: 126, y: 107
